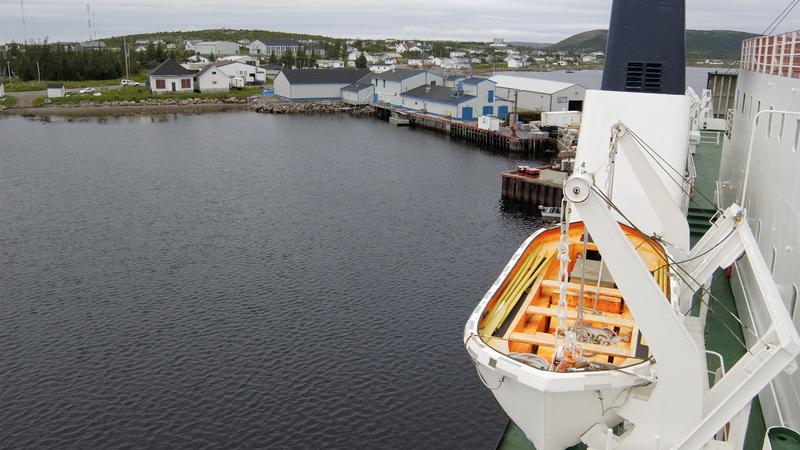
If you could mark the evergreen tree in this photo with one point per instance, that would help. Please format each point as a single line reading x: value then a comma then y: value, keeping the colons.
x: 361, y: 61
x: 287, y: 59
x: 273, y: 60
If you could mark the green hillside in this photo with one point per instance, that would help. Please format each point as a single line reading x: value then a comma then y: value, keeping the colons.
x: 210, y: 35
x: 705, y: 43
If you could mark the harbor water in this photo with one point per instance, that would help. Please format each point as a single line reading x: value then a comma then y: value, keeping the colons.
x: 239, y: 280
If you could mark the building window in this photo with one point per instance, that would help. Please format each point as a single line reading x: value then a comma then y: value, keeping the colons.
x: 162, y: 84
x: 796, y: 135
x: 186, y: 83
x: 793, y: 301
x: 491, y: 96
x: 744, y: 99
x: 783, y: 125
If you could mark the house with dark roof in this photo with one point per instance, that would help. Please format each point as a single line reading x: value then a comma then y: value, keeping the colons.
x: 467, y: 100
x: 359, y: 93
x: 211, y: 79
x: 391, y: 84
x: 315, y: 84
x: 170, y: 77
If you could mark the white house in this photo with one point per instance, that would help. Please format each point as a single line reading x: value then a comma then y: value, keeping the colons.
x: 211, y: 79
x: 253, y: 61
x: 415, y: 62
x: 403, y: 47
x: 498, y: 43
x: 170, y: 77
x: 217, y: 48
x: 472, y: 97
x: 330, y: 63
x: 390, y: 85
x: 315, y: 84
x: 588, y: 58
x: 515, y: 62
x: 380, y: 68
x: 275, y: 46
x: 249, y: 73
x: 541, y: 95
x: 55, y: 90
x: 458, y: 54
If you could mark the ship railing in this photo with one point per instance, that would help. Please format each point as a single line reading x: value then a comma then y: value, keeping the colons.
x: 778, y: 54
x: 689, y: 182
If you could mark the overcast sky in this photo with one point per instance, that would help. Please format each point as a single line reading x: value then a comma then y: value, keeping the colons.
x: 523, y: 20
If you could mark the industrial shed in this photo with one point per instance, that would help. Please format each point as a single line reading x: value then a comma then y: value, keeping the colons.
x: 540, y: 95
x: 315, y: 84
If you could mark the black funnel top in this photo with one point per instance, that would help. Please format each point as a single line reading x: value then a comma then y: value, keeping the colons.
x: 646, y: 49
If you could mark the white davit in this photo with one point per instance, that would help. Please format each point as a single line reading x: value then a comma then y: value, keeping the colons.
x: 588, y: 333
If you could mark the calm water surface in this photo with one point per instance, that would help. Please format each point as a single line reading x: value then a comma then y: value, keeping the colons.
x: 244, y: 281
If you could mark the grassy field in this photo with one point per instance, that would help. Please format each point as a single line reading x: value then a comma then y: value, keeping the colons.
x: 8, y: 101
x: 134, y: 94
x: 17, y: 85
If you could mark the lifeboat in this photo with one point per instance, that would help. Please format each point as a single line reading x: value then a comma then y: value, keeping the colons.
x: 519, y: 335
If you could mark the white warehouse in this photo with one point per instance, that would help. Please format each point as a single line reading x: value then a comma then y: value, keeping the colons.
x: 540, y: 95
x: 315, y: 84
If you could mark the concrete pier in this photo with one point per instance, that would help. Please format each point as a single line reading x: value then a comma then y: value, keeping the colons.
x: 545, y: 190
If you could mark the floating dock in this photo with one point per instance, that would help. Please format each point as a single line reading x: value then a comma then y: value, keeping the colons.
x: 546, y: 190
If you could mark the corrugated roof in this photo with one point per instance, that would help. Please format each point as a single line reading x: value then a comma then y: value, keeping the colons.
x: 438, y: 94
x: 170, y: 67
x: 531, y: 84
x: 322, y: 76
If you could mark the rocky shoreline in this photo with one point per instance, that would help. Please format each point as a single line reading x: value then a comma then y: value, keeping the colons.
x: 153, y: 106
x: 333, y: 107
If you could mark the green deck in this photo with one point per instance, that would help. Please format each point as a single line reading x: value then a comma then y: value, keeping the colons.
x: 718, y: 338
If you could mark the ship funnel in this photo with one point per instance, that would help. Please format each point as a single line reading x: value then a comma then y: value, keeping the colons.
x: 646, y: 49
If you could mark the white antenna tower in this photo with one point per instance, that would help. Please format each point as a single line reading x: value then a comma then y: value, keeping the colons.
x: 94, y: 28
x: 24, y: 25
x: 89, y: 19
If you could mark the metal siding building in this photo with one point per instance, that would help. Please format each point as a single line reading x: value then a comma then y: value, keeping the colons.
x: 540, y: 95
x: 315, y: 84
x: 211, y: 79
x: 218, y: 48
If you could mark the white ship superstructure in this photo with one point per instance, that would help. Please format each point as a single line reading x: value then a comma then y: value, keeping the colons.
x: 764, y: 132
x: 595, y: 331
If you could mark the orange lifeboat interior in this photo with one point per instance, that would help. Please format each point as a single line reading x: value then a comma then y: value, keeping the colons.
x: 522, y: 316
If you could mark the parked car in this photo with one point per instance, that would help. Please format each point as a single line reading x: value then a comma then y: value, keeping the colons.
x: 129, y: 83
x: 87, y: 90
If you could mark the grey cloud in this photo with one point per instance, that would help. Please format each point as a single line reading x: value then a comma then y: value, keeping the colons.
x: 532, y: 20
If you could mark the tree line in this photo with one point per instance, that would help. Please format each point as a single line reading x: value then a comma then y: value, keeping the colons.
x: 62, y: 61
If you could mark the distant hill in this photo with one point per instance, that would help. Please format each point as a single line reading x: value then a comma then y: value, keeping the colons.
x: 705, y: 43
x: 531, y: 44
x: 210, y: 35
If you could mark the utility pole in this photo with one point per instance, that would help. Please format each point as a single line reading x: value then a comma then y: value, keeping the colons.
x: 516, y: 115
x: 125, y: 56
x: 38, y: 72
